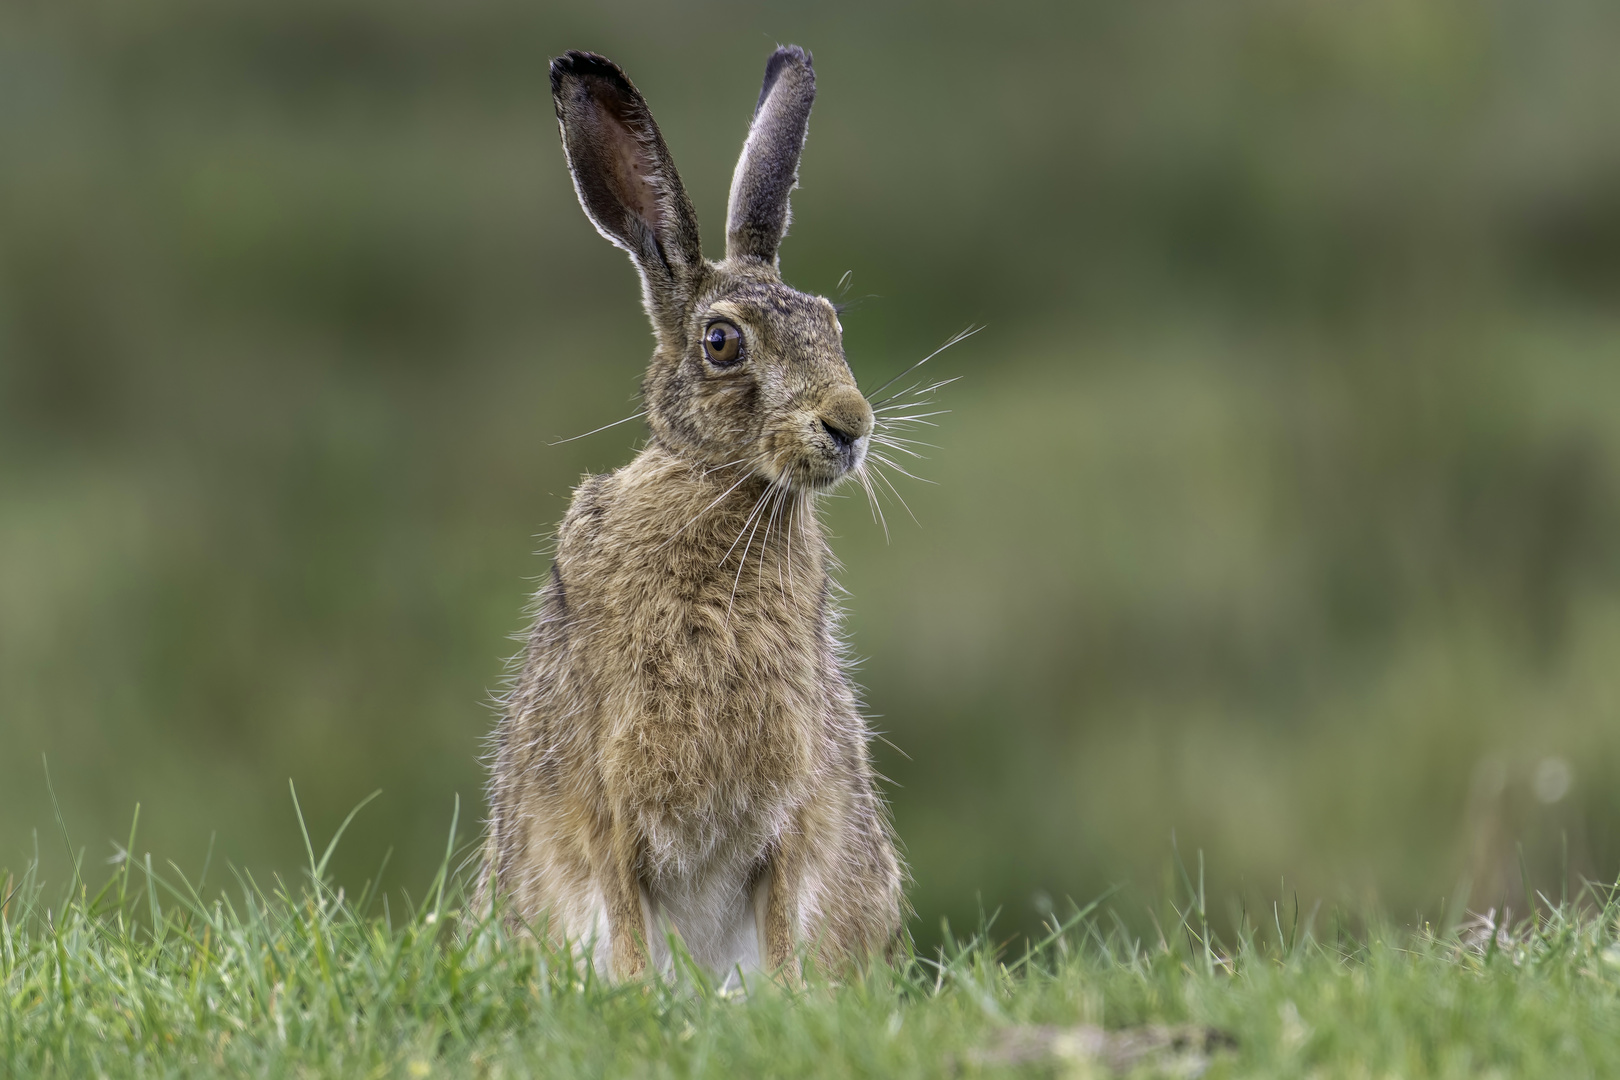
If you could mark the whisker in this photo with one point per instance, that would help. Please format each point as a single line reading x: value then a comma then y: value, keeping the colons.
x: 758, y: 503
x: 935, y: 387
x: 604, y: 427
x: 860, y: 478
x: 765, y: 543
x: 918, y: 393
x: 902, y: 446
x: 783, y: 514
x: 790, y: 528
x: 871, y: 499
x: 703, y: 511
x: 896, y: 492
x: 776, y: 509
x: 881, y: 460
x: 742, y: 562
x: 960, y: 336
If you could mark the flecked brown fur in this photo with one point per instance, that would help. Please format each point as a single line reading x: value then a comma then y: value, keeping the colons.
x: 682, y: 752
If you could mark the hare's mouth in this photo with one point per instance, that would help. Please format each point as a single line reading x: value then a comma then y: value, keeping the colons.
x: 820, y: 463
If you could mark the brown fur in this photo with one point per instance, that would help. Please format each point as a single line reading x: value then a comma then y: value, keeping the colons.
x: 682, y: 751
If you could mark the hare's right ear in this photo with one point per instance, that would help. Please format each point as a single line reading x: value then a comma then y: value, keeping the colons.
x: 623, y: 174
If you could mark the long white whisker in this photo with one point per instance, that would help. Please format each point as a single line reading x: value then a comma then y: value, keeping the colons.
x: 758, y: 503
x: 936, y: 386
x: 779, y: 515
x: 917, y: 393
x: 789, y: 528
x: 742, y: 562
x: 881, y: 460
x: 960, y: 336
x: 703, y: 511
x: 604, y: 427
x: 896, y: 492
x: 765, y: 542
x: 904, y: 446
x: 860, y: 477
x: 871, y: 498
x: 901, y: 448
x: 776, y: 509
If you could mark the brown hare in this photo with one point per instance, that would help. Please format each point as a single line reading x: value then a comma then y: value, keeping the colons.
x: 682, y: 752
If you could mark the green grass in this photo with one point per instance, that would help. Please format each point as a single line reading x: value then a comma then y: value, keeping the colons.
x: 154, y: 975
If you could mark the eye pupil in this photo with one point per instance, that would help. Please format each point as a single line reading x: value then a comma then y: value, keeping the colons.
x: 722, y: 343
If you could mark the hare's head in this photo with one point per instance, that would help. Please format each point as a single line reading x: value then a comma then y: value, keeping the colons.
x: 746, y: 370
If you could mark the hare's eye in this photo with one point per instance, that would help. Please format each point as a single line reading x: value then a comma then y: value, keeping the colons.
x: 722, y: 343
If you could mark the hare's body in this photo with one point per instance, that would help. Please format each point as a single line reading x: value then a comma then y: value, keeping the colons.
x: 712, y: 730
x: 682, y: 751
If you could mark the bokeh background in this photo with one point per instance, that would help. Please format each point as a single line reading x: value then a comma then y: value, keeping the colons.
x: 1278, y: 508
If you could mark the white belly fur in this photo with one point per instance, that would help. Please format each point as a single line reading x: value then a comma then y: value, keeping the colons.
x: 717, y: 918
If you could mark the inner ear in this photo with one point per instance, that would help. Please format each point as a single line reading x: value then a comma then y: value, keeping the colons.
x: 633, y: 169
x: 622, y: 170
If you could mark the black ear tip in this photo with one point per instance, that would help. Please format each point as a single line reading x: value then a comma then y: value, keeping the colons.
x: 785, y: 57
x: 782, y: 57
x: 789, y: 54
x: 577, y: 64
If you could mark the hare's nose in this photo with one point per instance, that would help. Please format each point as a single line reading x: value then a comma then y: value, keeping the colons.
x: 843, y: 438
x: 846, y: 417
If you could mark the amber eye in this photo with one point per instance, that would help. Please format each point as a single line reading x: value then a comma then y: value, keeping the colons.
x: 722, y: 343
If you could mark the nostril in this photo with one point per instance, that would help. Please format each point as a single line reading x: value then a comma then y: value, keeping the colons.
x: 842, y: 438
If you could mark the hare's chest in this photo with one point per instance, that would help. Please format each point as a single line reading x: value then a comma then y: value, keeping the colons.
x: 706, y: 673
x: 711, y: 739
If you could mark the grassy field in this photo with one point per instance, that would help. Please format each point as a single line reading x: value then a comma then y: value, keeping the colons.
x: 154, y: 974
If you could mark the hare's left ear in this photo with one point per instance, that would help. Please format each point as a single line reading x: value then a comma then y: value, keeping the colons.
x: 757, y: 214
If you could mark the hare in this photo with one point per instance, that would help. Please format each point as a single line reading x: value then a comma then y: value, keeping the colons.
x: 682, y: 752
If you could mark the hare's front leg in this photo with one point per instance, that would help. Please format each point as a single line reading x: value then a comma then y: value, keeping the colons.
x: 784, y: 882
x: 621, y: 890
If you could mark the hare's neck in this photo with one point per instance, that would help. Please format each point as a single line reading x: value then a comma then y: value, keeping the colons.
x: 758, y: 528
x: 728, y: 527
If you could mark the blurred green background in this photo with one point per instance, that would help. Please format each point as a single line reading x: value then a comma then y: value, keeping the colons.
x: 1278, y: 506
